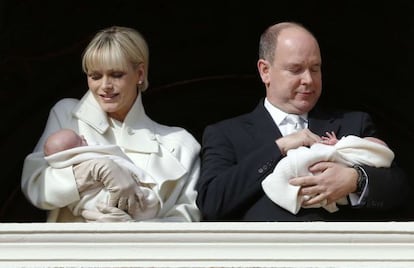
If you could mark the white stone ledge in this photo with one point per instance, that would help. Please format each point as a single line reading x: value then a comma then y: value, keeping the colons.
x: 242, y: 244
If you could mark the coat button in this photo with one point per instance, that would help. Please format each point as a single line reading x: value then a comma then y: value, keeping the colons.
x: 260, y: 170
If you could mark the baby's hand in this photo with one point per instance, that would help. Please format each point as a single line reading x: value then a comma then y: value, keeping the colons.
x: 329, y: 139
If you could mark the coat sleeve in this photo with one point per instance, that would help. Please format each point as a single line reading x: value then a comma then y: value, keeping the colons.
x: 46, y: 187
x: 185, y: 208
x: 388, y: 187
x: 232, y: 169
x: 179, y: 196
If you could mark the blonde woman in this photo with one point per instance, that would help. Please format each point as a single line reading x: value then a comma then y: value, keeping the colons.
x: 111, y: 113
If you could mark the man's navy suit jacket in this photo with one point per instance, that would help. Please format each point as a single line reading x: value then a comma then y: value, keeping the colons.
x: 238, y: 153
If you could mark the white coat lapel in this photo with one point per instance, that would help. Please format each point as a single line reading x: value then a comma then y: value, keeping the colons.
x: 138, y: 135
x: 88, y: 110
x: 163, y: 166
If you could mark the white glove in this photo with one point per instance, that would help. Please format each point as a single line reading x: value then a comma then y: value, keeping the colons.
x: 124, y: 190
x: 106, y: 214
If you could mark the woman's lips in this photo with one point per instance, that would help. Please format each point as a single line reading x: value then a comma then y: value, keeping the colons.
x: 108, y: 97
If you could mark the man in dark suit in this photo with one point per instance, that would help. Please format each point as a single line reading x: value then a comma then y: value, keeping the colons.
x: 239, y: 153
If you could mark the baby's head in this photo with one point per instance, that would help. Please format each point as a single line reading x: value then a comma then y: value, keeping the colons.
x: 376, y: 140
x: 62, y: 140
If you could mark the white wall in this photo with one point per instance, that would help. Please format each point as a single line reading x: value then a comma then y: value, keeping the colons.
x: 311, y: 244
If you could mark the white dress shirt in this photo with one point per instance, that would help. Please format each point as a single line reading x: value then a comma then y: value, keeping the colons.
x: 285, y: 121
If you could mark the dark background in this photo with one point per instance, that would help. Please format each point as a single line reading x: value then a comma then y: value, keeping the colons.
x: 202, y: 65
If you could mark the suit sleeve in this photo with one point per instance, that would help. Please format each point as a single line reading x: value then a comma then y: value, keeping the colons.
x: 388, y: 188
x: 231, y: 172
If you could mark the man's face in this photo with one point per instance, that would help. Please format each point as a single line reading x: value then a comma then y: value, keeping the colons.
x: 294, y: 79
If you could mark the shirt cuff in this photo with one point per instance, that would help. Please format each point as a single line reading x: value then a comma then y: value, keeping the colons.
x: 357, y: 200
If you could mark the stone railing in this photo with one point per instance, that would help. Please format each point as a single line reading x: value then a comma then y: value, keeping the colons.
x: 310, y: 244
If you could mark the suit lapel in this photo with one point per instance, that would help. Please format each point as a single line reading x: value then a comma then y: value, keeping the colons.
x: 320, y: 122
x: 260, y: 124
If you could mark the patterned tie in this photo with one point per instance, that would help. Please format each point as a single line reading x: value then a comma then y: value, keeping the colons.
x: 294, y: 123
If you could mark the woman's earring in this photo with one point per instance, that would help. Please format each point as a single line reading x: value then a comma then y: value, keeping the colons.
x: 140, y: 82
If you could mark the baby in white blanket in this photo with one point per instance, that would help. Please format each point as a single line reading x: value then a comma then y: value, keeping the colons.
x: 65, y: 148
x: 349, y: 150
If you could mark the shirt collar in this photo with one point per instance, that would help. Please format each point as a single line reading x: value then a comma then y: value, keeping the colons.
x: 278, y: 115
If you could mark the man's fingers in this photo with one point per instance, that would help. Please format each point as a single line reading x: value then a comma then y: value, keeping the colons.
x: 309, y: 200
x: 304, y: 181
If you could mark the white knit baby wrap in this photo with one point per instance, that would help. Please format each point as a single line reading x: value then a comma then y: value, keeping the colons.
x: 98, y: 194
x: 348, y: 150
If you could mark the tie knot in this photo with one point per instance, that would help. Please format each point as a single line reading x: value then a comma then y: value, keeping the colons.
x: 294, y: 123
x: 293, y: 119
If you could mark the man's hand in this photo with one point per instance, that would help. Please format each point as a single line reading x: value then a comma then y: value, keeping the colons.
x: 123, y: 188
x: 304, y: 137
x: 331, y: 181
x: 106, y: 214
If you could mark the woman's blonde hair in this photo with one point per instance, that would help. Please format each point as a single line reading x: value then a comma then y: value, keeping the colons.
x: 117, y: 47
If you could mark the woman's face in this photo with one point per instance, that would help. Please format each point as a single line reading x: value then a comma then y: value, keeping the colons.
x: 115, y: 90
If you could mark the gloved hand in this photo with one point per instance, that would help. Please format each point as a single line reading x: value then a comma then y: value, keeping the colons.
x: 106, y: 214
x: 124, y: 190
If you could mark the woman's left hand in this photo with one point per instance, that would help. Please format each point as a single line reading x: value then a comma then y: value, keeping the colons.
x: 106, y: 214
